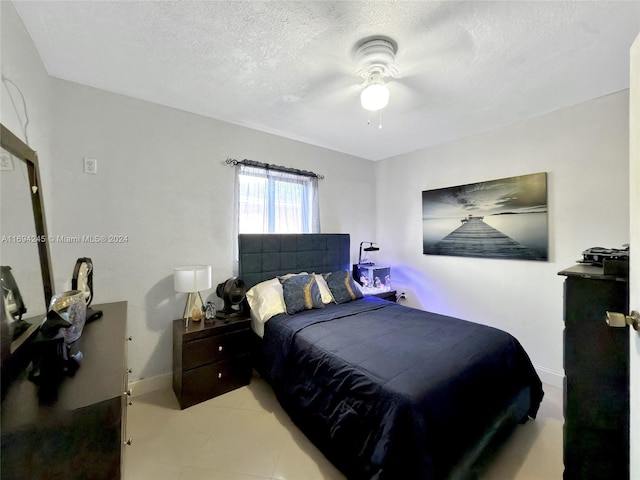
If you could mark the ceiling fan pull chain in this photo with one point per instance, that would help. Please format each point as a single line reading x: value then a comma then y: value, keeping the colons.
x: 380, y: 120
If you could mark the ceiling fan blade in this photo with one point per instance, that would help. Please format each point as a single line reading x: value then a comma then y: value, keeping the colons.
x: 334, y: 88
x: 441, y: 38
x: 413, y: 96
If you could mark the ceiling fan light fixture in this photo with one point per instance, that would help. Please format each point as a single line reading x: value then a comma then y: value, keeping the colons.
x: 375, y: 96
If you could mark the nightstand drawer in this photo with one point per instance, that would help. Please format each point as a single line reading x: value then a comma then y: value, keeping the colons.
x: 215, y: 348
x: 208, y: 381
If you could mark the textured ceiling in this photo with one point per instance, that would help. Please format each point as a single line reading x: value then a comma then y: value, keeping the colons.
x: 288, y: 67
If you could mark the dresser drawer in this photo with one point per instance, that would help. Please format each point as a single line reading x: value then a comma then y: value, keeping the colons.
x: 214, y: 379
x: 215, y: 349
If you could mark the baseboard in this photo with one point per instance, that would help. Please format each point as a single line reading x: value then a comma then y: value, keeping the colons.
x: 550, y: 377
x: 146, y: 385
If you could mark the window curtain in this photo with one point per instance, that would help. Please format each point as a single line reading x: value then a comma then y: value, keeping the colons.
x: 273, y: 201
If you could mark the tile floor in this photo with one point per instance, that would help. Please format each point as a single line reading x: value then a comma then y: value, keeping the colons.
x: 245, y: 435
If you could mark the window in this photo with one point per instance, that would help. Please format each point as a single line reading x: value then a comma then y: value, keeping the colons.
x: 274, y: 201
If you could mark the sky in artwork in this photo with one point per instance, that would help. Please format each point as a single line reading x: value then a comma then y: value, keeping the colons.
x: 523, y: 194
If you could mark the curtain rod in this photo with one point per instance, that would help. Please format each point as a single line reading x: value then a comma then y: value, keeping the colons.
x: 268, y: 166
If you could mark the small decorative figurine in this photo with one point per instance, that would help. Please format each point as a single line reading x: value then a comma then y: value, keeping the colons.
x: 209, y: 311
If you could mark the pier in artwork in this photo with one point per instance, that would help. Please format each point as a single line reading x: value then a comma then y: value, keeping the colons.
x: 475, y: 238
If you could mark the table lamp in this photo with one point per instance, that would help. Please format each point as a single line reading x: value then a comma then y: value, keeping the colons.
x: 370, y: 248
x: 192, y: 279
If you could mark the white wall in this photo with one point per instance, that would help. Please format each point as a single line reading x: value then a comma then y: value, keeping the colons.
x: 584, y: 149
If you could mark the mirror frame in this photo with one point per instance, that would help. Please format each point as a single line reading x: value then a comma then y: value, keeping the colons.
x: 16, y: 147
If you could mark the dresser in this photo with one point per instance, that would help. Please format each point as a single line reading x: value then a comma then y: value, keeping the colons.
x: 79, y: 432
x: 596, y: 364
x: 210, y: 357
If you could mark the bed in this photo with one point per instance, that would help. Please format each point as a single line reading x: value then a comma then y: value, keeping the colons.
x: 383, y: 390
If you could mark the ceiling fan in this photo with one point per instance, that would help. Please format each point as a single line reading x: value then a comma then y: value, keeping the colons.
x: 376, y: 60
x: 371, y: 62
x: 404, y: 78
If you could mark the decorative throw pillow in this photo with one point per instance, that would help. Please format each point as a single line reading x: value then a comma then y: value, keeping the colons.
x: 342, y: 286
x: 301, y: 292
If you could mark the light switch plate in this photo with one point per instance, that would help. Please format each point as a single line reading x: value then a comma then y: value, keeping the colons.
x: 90, y: 166
x: 6, y: 162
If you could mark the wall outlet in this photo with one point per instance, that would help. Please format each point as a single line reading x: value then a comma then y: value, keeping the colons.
x: 90, y: 165
x: 6, y: 162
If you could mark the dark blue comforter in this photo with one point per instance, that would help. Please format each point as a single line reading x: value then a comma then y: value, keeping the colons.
x: 389, y: 392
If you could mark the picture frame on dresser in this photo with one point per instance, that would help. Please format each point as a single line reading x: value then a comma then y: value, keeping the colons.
x: 25, y: 246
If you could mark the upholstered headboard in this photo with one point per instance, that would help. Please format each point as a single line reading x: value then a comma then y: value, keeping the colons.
x: 265, y: 256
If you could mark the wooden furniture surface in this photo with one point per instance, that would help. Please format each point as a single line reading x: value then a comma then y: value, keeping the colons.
x: 210, y: 357
x: 78, y: 432
x: 596, y: 363
x: 390, y: 295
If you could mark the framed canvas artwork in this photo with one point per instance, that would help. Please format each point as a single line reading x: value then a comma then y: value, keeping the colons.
x: 505, y: 218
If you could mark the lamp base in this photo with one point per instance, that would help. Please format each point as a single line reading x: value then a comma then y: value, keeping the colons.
x: 194, y: 301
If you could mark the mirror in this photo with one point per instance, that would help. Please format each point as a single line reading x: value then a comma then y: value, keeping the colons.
x: 23, y: 229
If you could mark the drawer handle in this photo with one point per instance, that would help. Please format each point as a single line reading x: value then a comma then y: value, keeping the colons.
x: 220, y: 348
x: 219, y: 375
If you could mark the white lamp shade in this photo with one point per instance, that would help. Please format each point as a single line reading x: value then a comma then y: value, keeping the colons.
x: 192, y: 278
x: 375, y: 96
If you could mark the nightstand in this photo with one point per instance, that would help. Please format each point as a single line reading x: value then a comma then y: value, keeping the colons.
x: 210, y: 357
x: 390, y: 295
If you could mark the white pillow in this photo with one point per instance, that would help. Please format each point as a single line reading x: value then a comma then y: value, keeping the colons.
x: 324, y: 289
x: 266, y: 299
